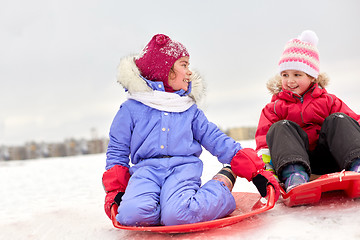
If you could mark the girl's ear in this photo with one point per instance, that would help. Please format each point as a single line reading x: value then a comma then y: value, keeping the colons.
x: 171, y: 74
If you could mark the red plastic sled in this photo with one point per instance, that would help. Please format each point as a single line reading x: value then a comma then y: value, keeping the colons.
x: 309, y: 193
x: 247, y: 205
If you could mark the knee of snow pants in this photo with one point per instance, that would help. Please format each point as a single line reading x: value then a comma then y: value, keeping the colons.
x: 184, y: 201
x: 288, y: 144
x: 340, y: 134
x: 140, y: 203
x: 211, y: 201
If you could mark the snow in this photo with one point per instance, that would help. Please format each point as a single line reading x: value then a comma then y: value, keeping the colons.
x: 62, y: 198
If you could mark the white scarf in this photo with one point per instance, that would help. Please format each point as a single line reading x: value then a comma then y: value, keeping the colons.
x: 163, y: 101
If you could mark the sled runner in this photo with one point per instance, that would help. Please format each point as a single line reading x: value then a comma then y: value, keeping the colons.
x: 346, y: 181
x: 247, y: 205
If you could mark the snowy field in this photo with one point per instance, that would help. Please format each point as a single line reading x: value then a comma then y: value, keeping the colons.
x: 62, y: 198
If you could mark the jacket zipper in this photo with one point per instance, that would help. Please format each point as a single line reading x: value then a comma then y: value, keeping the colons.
x: 301, y: 98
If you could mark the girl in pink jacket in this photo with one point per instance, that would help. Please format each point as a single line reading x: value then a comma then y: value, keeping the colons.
x: 304, y: 129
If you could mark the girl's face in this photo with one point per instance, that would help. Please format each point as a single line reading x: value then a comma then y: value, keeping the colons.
x: 296, y: 81
x: 179, y: 76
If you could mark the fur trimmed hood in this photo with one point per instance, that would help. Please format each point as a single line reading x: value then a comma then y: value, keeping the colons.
x: 128, y: 75
x: 274, y: 84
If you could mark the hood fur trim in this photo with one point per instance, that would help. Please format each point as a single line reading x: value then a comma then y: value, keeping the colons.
x: 274, y: 84
x: 128, y: 75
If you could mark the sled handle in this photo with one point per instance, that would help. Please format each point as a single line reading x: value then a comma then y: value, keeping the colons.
x: 113, y: 213
x: 271, y: 196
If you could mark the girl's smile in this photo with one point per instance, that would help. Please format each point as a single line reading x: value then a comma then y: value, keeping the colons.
x: 296, y: 81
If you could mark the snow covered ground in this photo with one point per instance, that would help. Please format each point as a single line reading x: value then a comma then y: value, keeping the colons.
x: 62, y: 198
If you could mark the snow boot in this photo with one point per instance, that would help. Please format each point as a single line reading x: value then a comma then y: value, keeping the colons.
x: 294, y: 175
x: 226, y: 176
x: 355, y: 166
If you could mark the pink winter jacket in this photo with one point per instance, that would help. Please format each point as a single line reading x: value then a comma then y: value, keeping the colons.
x: 308, y: 111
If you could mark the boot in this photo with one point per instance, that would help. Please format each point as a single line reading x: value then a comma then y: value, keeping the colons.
x: 294, y: 175
x: 226, y: 176
x: 355, y: 166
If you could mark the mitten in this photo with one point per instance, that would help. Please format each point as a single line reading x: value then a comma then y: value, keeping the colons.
x: 263, y: 179
x: 247, y: 164
x: 114, y: 181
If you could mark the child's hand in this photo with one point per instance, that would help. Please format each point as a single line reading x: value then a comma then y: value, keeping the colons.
x: 247, y: 164
x: 112, y: 198
x: 262, y: 180
x: 114, y: 181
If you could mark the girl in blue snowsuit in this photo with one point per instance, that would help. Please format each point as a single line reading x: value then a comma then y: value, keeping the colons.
x: 162, y: 130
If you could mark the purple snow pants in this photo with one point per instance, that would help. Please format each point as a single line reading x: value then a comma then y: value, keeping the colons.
x: 166, y: 191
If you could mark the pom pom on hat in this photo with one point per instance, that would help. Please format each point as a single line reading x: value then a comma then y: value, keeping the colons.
x: 309, y: 36
x: 157, y: 58
x: 301, y: 54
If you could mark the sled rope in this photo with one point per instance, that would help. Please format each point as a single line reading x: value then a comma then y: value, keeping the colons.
x: 343, y: 174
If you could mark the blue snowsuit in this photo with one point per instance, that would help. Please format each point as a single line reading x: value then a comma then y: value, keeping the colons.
x: 164, y: 148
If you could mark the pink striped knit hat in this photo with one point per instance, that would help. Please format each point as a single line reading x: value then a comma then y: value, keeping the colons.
x: 157, y: 58
x: 301, y: 54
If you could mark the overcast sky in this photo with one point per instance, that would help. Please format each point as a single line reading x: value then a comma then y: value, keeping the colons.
x: 58, y: 58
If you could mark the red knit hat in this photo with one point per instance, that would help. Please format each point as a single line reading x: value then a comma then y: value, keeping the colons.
x: 157, y: 58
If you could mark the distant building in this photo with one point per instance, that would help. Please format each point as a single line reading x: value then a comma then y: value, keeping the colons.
x: 32, y: 150
x: 57, y: 150
x: 17, y: 152
x: 96, y: 146
x: 242, y: 133
x: 72, y: 147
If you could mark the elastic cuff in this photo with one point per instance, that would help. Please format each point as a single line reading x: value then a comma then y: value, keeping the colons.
x: 227, y: 172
